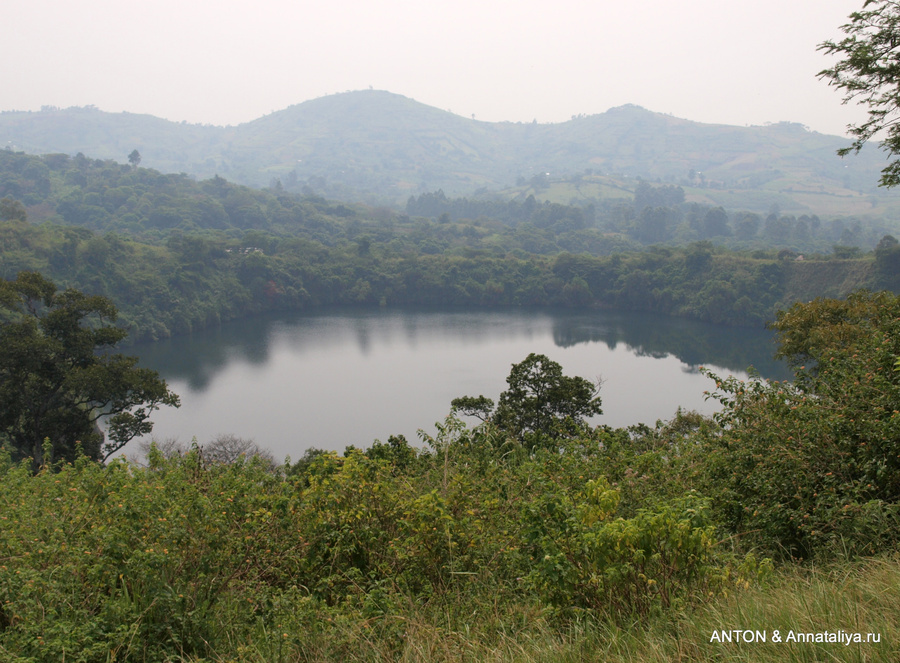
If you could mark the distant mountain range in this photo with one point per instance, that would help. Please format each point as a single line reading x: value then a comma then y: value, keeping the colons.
x: 382, y: 146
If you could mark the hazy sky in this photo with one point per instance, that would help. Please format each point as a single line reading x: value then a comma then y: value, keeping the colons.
x: 231, y: 61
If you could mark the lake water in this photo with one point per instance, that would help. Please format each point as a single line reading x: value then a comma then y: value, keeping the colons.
x: 332, y: 378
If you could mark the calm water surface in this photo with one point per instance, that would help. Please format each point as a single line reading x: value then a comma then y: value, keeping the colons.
x: 339, y: 377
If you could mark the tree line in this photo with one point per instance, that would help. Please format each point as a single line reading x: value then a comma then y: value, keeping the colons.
x: 178, y: 255
x: 192, y: 281
x: 659, y: 214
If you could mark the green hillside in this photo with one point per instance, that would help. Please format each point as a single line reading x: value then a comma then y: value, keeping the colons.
x: 379, y: 146
x: 178, y: 255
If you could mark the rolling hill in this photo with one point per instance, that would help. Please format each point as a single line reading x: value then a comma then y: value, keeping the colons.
x: 381, y: 146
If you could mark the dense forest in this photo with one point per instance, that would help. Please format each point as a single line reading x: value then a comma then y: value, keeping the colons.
x: 177, y: 255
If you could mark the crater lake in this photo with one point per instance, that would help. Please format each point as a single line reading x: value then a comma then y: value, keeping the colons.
x: 335, y: 377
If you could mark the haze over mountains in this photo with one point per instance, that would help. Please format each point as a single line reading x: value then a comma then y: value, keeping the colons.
x: 384, y: 147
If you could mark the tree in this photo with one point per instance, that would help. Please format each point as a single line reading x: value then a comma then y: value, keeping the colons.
x: 472, y: 406
x: 223, y: 449
x: 887, y: 262
x: 653, y: 225
x: 134, y: 159
x: 715, y: 223
x: 869, y: 73
x: 12, y: 210
x: 746, y: 226
x: 59, y: 376
x: 698, y: 257
x: 228, y: 449
x: 540, y: 400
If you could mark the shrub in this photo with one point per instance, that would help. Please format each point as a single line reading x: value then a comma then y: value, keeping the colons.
x: 585, y: 558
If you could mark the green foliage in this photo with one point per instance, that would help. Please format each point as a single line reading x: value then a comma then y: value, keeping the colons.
x: 397, y: 452
x: 541, y: 401
x: 887, y: 262
x: 625, y: 567
x: 58, y: 376
x: 813, y: 466
x: 184, y: 558
x: 474, y: 406
x: 136, y: 564
x: 867, y: 73
x: 12, y: 209
x: 540, y: 405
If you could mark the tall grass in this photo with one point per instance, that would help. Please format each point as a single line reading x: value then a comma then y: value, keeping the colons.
x: 853, y: 597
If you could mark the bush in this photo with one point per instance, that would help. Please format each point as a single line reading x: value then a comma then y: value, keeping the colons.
x: 585, y: 558
x: 813, y: 467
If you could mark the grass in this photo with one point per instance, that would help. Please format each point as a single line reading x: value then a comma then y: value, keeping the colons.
x: 853, y: 597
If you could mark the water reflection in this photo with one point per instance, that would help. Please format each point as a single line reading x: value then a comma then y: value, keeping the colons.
x: 694, y: 343
x: 198, y: 358
x: 349, y: 376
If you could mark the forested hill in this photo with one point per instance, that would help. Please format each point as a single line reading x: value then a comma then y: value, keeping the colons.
x: 177, y: 255
x: 378, y: 145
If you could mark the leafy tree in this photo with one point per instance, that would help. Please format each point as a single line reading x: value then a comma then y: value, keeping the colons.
x: 653, y: 225
x: 58, y: 376
x: 134, y: 158
x: 887, y: 261
x: 474, y: 406
x: 540, y: 399
x: 12, y: 210
x: 869, y: 72
x: 646, y: 195
x: 698, y: 257
x: 715, y: 223
x: 397, y: 451
x: 746, y: 226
